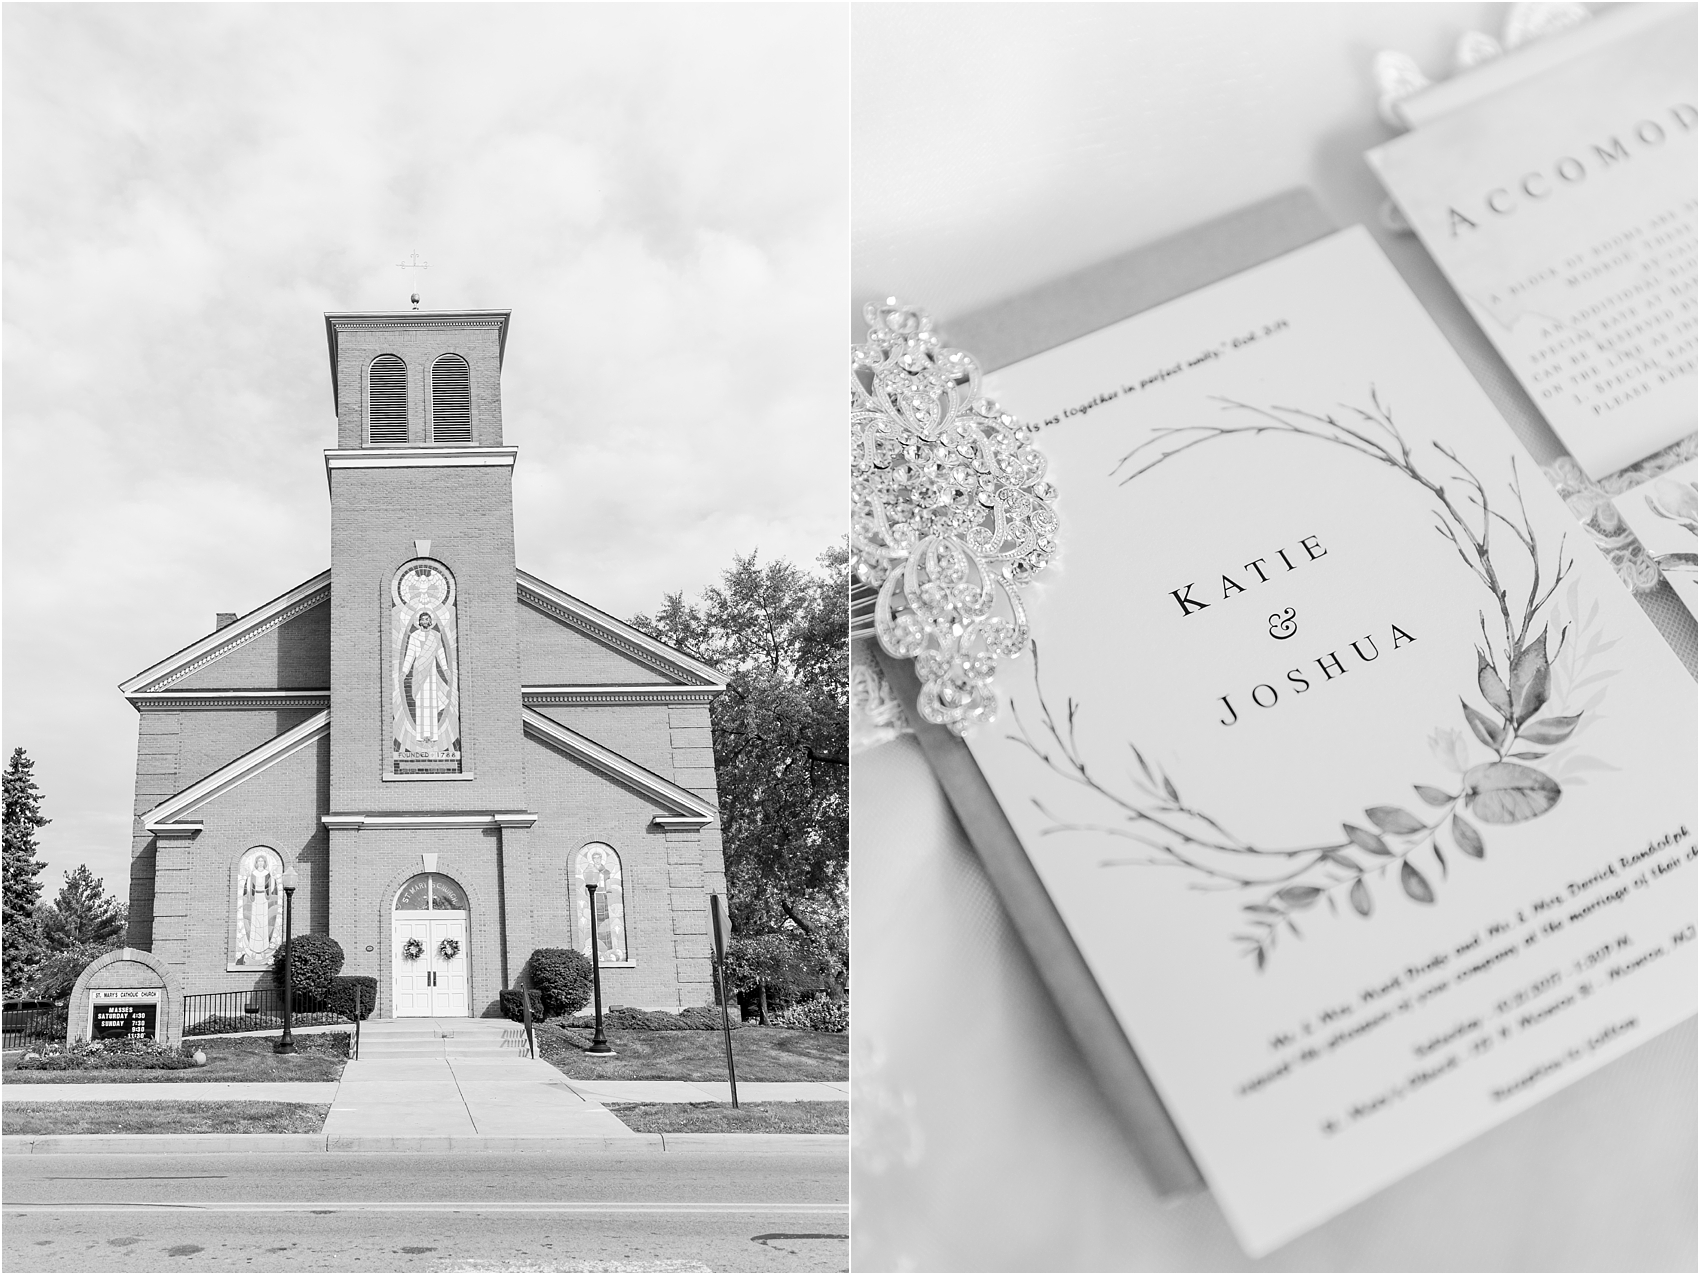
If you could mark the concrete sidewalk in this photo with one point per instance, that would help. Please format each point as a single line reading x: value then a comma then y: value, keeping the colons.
x: 458, y: 1097
x: 632, y: 1144
x: 594, y: 1091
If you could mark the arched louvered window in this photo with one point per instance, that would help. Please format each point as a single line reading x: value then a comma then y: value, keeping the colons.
x: 451, y: 400
x: 386, y: 402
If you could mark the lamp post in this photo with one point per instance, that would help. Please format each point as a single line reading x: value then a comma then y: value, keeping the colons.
x: 291, y: 879
x: 598, y: 1042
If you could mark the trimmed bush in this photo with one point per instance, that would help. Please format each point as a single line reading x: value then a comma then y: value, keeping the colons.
x: 315, y: 960
x: 562, y: 977
x: 107, y: 1055
x: 626, y: 1018
x: 352, y: 996
x: 821, y: 1014
x: 511, y: 1005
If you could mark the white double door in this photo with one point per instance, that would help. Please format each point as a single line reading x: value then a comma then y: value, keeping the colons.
x: 431, y: 985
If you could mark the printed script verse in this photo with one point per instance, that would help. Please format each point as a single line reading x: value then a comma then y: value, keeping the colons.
x: 1160, y: 375
x: 1459, y: 1026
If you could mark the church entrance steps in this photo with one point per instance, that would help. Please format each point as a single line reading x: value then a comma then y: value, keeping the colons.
x: 441, y: 1038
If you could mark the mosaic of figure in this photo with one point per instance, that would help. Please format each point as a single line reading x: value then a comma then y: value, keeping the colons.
x: 259, y: 907
x: 425, y: 685
x: 600, y: 864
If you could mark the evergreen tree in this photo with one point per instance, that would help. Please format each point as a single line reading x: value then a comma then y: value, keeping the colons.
x: 84, y: 914
x: 20, y: 944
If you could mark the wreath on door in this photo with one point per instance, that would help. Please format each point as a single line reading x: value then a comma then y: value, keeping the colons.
x: 448, y: 949
x: 412, y: 950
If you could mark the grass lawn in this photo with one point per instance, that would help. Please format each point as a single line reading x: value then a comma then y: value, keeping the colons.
x: 761, y: 1053
x: 47, y: 1118
x: 318, y: 1056
x: 719, y: 1117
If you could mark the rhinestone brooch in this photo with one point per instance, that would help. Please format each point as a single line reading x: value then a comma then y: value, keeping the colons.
x: 950, y: 512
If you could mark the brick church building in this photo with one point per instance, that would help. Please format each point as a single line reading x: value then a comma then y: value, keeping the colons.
x: 440, y: 744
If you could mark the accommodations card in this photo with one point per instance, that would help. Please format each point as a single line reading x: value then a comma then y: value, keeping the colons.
x: 1364, y: 788
x: 1562, y: 210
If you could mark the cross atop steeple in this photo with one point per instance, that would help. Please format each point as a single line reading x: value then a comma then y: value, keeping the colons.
x: 414, y: 262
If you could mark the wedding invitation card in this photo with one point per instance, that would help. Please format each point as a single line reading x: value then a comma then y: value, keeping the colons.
x: 1662, y: 514
x: 1364, y: 789
x: 1562, y: 209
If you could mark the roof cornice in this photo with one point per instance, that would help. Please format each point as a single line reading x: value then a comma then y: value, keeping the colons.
x: 686, y: 809
x: 545, y: 597
x: 231, y: 699
x: 163, y: 819
x: 174, y: 668
x: 418, y: 458
x: 643, y: 693
x: 354, y: 822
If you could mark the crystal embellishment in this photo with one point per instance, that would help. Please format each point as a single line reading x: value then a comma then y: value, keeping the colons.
x: 950, y: 512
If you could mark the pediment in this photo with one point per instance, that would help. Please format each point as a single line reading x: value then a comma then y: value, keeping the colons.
x: 281, y: 646
x: 171, y: 815
x: 683, y: 808
x: 566, y: 642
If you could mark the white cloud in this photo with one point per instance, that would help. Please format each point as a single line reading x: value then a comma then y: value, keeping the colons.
x: 657, y: 192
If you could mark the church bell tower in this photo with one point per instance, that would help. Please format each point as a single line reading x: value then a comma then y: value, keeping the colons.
x: 426, y: 734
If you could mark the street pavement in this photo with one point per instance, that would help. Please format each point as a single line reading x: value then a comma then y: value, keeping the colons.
x: 605, y: 1211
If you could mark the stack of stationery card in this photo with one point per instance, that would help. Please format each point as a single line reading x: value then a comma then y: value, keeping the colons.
x: 1349, y: 793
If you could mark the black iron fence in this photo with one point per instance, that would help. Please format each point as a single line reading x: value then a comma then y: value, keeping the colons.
x: 212, y: 1013
x: 27, y: 1024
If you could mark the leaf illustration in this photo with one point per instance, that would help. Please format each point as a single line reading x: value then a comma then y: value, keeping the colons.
x: 1260, y: 959
x: 1416, y: 885
x: 1434, y: 796
x: 1359, y: 896
x: 1170, y: 789
x: 1466, y: 838
x: 1506, y: 792
x: 1486, y: 730
x: 1526, y: 756
x: 1550, y: 730
x: 1393, y: 819
x: 1340, y: 860
x: 1440, y: 859
x: 1492, y: 687
x: 1364, y: 839
x: 1140, y: 758
x: 1529, y: 679
x: 1298, y: 896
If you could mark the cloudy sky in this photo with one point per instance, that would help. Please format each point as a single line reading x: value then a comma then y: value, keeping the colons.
x: 657, y: 193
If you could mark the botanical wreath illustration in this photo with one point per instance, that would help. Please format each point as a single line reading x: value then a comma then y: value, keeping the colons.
x: 412, y: 950
x: 1514, y: 678
x: 448, y: 949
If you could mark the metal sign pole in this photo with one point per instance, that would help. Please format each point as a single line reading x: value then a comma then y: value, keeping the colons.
x: 725, y: 993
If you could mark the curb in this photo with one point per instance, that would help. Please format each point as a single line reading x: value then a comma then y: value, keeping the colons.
x: 237, y: 1143
x: 757, y: 1143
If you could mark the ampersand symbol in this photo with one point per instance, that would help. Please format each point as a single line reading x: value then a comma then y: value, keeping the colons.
x: 1283, y: 624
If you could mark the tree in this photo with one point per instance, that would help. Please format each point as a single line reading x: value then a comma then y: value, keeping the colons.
x: 84, y: 914
x: 21, y: 947
x: 781, y: 741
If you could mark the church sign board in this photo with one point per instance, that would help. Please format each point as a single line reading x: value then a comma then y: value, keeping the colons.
x: 124, y: 1013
